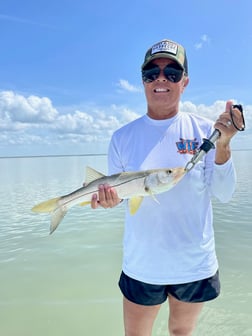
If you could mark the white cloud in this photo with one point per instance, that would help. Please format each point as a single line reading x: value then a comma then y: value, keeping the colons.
x: 211, y: 111
x: 126, y: 86
x: 33, y: 122
x: 15, y: 108
x: 242, y: 139
x: 204, y: 39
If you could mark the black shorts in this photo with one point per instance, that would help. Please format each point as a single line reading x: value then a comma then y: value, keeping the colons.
x: 148, y: 295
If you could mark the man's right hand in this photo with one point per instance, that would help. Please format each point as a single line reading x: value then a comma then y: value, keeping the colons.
x: 106, y: 197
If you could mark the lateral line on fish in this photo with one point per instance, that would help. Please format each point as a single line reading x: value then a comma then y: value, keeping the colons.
x: 95, y: 191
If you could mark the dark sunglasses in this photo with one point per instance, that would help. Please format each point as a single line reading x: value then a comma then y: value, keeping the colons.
x: 172, y: 72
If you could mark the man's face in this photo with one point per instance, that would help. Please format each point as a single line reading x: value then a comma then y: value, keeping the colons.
x: 163, y: 95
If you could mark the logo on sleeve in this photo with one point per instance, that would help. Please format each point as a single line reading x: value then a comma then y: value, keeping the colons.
x: 185, y: 146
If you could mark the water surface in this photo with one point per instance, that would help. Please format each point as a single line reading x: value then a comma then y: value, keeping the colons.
x: 66, y: 283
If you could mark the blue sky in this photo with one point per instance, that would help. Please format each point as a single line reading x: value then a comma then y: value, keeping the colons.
x: 70, y: 69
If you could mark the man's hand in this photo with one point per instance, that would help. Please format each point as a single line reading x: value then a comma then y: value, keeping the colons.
x: 224, y: 123
x: 225, y: 126
x: 107, y: 197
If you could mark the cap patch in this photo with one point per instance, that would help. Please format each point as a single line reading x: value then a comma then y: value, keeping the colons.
x: 165, y: 46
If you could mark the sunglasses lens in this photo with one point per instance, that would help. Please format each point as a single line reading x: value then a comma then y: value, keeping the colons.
x: 150, y: 74
x: 173, y: 74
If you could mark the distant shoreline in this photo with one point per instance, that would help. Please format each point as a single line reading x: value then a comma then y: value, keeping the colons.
x: 88, y: 154
x: 51, y: 155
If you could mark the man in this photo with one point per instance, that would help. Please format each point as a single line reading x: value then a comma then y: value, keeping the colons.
x: 169, y: 250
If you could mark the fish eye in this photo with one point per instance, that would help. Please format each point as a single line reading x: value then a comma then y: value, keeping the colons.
x: 164, y: 175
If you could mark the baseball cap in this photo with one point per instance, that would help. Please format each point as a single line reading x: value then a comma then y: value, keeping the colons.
x: 167, y: 49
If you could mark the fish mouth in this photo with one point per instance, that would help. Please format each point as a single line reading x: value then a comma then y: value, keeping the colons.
x: 161, y: 90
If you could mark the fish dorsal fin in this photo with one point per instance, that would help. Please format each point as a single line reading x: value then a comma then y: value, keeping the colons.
x: 92, y: 175
x: 134, y: 204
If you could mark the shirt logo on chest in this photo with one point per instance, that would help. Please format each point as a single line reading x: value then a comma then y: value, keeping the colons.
x: 187, y: 146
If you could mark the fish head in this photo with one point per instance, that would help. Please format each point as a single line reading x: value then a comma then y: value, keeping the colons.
x: 163, y: 179
x: 165, y: 176
x: 169, y: 175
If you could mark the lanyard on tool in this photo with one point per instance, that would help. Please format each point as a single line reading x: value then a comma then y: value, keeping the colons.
x: 208, y: 144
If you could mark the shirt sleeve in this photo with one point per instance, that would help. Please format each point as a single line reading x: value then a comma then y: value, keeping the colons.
x: 220, y: 178
x: 223, y: 181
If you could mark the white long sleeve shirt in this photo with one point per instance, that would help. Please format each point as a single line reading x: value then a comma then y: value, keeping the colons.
x: 171, y: 242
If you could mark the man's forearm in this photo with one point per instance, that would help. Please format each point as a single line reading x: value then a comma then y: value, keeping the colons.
x: 223, y: 153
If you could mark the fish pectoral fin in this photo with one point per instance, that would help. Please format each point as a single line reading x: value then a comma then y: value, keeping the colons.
x: 92, y: 175
x: 85, y: 203
x: 154, y: 198
x: 134, y: 204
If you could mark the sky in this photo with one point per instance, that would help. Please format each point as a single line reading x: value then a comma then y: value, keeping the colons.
x: 70, y: 69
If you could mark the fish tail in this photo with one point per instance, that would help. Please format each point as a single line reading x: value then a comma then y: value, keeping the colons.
x: 57, y: 216
x: 47, y: 206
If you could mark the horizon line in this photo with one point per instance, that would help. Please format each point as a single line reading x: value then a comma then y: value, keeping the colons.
x: 50, y: 155
x: 87, y: 154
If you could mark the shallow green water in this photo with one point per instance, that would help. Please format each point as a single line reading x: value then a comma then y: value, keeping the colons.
x: 66, y: 283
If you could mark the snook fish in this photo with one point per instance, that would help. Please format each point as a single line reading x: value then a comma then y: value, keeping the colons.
x: 128, y: 185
